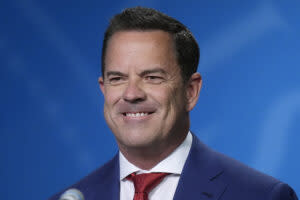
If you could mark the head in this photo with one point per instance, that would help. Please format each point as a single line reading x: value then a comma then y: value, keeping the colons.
x: 148, y: 89
x: 147, y: 19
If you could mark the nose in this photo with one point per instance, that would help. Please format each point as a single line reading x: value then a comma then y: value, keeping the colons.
x: 134, y: 92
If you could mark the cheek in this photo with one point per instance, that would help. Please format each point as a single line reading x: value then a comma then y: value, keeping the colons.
x: 177, y: 100
x: 111, y: 96
x: 167, y: 97
x: 159, y: 94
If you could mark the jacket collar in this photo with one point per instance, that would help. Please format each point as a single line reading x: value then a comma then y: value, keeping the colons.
x: 104, y: 183
x: 202, y: 176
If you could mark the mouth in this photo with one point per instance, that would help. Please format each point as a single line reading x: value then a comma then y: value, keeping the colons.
x: 136, y: 114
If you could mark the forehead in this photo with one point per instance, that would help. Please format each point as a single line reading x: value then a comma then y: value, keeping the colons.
x: 140, y: 48
x: 140, y: 36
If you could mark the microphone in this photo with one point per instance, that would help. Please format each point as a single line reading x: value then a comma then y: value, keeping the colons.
x: 72, y: 194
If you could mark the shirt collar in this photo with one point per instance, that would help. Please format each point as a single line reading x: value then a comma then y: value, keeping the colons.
x: 171, y: 164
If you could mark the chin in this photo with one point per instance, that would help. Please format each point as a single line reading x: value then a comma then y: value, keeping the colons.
x: 137, y: 139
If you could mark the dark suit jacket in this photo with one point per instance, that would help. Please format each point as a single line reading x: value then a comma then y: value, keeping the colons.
x: 207, y: 175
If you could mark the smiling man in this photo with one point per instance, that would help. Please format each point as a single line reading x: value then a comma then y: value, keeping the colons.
x: 147, y: 103
x: 150, y: 84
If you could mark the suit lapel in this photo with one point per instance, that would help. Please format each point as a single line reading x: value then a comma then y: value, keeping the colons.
x: 201, y: 177
x: 105, y: 183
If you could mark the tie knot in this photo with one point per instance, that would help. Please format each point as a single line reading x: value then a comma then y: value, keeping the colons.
x: 144, y: 183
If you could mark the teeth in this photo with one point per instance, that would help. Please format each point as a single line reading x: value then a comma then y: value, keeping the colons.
x: 136, y: 114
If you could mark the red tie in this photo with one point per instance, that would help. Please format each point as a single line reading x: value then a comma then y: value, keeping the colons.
x: 144, y: 183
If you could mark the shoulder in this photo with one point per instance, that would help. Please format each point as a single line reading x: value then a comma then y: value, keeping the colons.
x: 245, y: 180
x: 242, y: 181
x: 95, y: 181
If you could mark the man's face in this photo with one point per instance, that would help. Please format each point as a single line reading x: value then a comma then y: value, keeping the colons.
x: 145, y: 98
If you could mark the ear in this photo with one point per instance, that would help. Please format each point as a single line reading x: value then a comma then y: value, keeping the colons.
x: 193, y: 87
x: 101, y: 83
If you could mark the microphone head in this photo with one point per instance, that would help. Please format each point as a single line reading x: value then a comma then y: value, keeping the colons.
x: 72, y: 194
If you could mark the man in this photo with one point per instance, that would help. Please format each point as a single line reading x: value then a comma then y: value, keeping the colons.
x: 150, y: 83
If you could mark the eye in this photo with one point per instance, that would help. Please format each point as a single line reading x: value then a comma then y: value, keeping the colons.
x: 115, y: 79
x: 154, y: 79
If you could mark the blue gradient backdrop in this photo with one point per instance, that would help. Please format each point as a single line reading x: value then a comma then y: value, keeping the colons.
x: 52, y: 127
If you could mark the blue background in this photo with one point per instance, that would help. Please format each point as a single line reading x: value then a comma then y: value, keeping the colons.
x: 51, y: 122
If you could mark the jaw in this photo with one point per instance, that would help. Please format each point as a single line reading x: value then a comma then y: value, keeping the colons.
x: 145, y: 154
x: 145, y: 138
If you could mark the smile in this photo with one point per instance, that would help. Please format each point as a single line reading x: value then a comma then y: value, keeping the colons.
x: 137, y: 114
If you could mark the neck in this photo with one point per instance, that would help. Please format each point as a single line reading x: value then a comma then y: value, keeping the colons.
x: 147, y: 157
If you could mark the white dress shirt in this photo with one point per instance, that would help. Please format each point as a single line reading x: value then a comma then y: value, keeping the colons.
x: 172, y: 164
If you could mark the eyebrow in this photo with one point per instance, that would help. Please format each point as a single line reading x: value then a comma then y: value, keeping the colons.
x: 114, y: 73
x: 151, y: 71
x: 143, y: 73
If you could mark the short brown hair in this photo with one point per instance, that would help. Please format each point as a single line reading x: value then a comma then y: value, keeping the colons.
x: 143, y: 19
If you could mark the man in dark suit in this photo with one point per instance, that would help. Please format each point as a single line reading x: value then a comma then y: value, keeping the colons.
x: 150, y: 84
